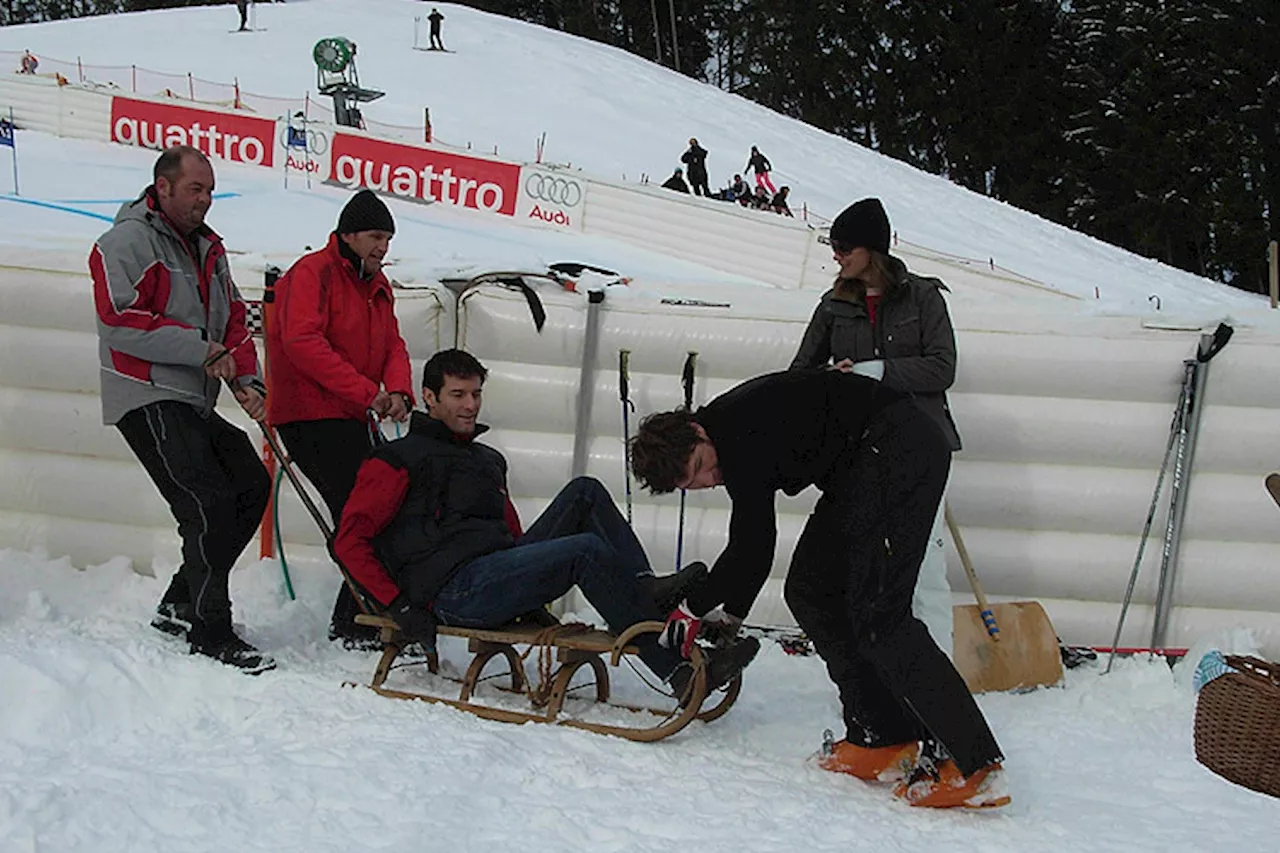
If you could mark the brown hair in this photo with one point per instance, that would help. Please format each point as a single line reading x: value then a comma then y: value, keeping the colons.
x: 856, y: 288
x: 661, y: 449
x: 169, y: 163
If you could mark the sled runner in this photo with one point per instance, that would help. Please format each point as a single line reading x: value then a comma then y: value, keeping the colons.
x: 561, y: 651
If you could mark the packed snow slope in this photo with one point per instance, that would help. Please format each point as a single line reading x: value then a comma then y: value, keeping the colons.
x: 113, y: 739
x: 613, y: 115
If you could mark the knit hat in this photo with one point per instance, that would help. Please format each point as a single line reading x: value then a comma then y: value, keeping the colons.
x: 365, y: 212
x: 863, y: 223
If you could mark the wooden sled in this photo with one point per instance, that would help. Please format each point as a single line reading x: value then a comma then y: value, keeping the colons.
x: 572, y: 647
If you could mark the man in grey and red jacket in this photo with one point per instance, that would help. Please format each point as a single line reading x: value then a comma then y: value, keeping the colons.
x: 171, y: 331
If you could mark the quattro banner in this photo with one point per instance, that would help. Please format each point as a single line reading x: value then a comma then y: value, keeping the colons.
x: 220, y: 135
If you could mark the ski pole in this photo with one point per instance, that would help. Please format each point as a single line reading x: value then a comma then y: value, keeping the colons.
x: 624, y: 394
x: 686, y: 377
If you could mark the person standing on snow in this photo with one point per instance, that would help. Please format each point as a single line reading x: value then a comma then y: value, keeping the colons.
x: 171, y: 331
x: 336, y: 354
x: 695, y: 159
x: 436, y: 19
x: 881, y: 464
x: 881, y: 321
x: 760, y: 164
x: 243, y: 6
x: 430, y: 532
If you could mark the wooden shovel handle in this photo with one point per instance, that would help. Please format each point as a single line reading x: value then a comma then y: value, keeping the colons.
x: 988, y: 618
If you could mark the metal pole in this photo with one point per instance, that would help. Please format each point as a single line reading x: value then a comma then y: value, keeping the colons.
x: 586, y: 383
x: 13, y: 150
x: 624, y: 393
x: 686, y: 377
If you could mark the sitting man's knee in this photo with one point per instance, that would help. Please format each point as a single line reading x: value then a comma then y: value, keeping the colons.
x: 588, y: 488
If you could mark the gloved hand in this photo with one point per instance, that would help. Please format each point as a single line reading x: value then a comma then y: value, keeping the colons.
x: 681, y: 630
x: 417, y: 624
x: 720, y: 628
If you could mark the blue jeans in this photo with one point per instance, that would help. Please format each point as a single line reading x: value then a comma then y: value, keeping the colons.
x: 580, y: 539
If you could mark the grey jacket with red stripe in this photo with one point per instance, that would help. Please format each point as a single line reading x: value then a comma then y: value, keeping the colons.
x: 160, y: 299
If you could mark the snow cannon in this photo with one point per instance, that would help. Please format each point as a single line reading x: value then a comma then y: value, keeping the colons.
x: 337, y: 77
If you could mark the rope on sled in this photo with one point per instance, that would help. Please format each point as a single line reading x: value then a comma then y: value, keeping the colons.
x: 544, y: 642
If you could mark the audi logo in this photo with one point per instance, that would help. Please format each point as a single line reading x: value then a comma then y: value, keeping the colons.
x: 317, y: 140
x: 552, y: 189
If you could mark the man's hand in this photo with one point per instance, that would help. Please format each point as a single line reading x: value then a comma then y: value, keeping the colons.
x: 417, y: 624
x: 844, y: 365
x: 253, y: 403
x: 681, y: 630
x: 381, y: 404
x: 400, y: 407
x: 218, y: 362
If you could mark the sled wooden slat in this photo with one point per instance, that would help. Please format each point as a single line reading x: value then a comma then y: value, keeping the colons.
x: 573, y: 651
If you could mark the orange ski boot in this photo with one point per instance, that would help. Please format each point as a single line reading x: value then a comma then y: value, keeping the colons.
x: 942, y: 786
x: 872, y: 764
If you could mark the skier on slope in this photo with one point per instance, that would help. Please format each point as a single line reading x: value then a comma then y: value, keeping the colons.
x: 696, y: 160
x: 881, y: 464
x: 882, y: 321
x: 760, y: 164
x: 435, y: 18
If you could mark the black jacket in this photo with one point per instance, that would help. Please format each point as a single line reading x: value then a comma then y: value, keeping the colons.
x: 675, y: 182
x: 453, y: 512
x: 758, y: 163
x: 912, y: 334
x: 696, y: 160
x: 779, y: 432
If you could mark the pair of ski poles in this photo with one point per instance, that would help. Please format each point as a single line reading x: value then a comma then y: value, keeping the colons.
x: 1180, y: 448
x: 624, y: 394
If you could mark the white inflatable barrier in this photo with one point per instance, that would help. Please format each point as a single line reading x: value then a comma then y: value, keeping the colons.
x: 1064, y: 418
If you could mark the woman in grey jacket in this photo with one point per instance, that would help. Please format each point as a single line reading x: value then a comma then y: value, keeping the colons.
x: 882, y: 321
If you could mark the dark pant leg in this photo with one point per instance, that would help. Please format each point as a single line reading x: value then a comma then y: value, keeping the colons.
x: 329, y: 452
x: 817, y: 592
x: 584, y: 505
x: 216, y: 487
x: 911, y: 461
x: 494, y: 589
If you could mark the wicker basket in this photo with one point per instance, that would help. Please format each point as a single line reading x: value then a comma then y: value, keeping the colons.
x: 1238, y: 725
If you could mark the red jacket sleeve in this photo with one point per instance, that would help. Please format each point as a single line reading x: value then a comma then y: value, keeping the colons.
x: 298, y: 313
x: 397, y: 375
x: 512, y: 518
x: 379, y: 490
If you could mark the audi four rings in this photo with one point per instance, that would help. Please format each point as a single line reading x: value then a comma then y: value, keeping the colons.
x: 317, y: 140
x: 552, y: 189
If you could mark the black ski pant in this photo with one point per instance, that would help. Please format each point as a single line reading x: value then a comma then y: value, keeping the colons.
x: 216, y: 487
x: 329, y: 452
x: 850, y: 585
x: 698, y: 184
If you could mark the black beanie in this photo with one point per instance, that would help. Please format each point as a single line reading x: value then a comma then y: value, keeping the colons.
x: 365, y: 212
x: 863, y: 223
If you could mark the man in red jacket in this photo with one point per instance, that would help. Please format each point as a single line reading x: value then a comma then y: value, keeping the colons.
x: 335, y: 354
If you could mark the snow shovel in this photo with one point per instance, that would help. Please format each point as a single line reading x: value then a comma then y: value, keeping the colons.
x: 998, y: 647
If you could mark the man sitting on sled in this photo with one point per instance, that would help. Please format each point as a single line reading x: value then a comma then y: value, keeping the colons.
x: 430, y: 534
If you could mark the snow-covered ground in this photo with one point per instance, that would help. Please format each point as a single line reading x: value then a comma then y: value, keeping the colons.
x: 112, y: 738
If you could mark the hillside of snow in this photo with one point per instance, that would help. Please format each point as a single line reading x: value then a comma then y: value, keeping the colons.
x: 607, y: 112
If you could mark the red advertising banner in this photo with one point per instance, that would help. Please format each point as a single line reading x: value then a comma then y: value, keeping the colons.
x: 226, y: 136
x: 407, y: 171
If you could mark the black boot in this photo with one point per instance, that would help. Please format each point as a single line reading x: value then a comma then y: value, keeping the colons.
x: 174, y: 613
x: 668, y: 591
x: 218, y: 641
x: 723, y: 664
x: 342, y: 625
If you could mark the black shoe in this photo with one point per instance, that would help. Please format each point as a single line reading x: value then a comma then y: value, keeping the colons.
x: 174, y: 613
x: 668, y: 591
x: 172, y: 619
x: 723, y: 664
x: 222, y: 644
